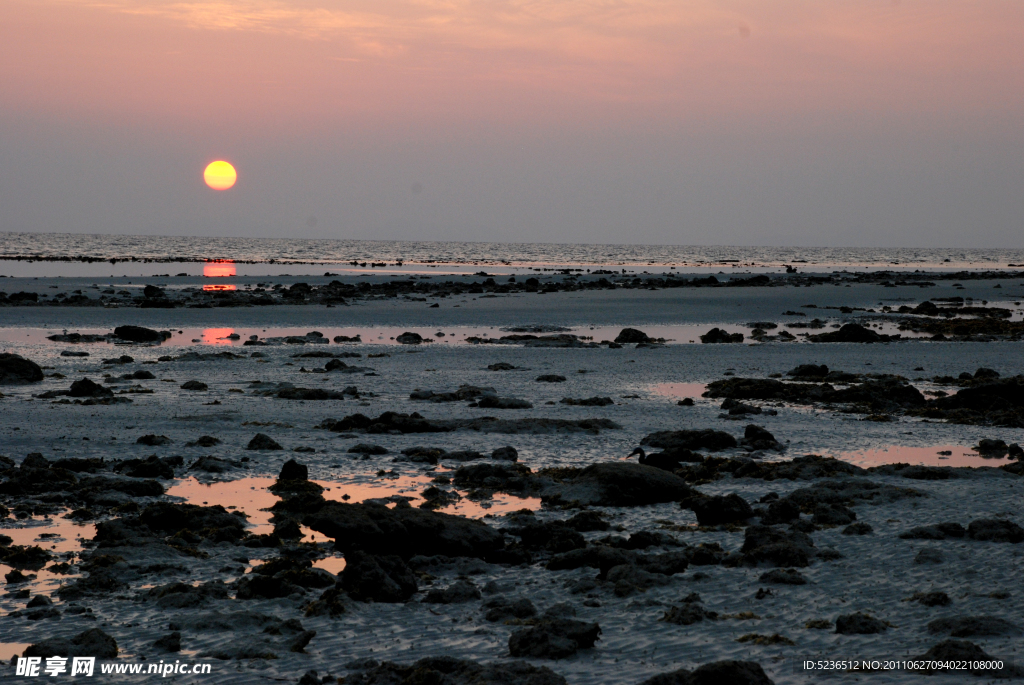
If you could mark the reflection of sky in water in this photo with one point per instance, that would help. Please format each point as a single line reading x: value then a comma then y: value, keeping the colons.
x: 219, y: 269
x: 62, y: 536
x: 959, y: 455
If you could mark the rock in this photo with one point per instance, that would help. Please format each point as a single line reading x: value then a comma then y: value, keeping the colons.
x: 631, y: 335
x: 929, y: 555
x: 169, y: 643
x: 194, y: 385
x: 93, y: 642
x: 621, y: 484
x: 708, y: 439
x: 263, y: 442
x: 781, y: 511
x: 717, y: 335
x: 370, y: 578
x: 588, y: 402
x: 587, y: 520
x: 184, y: 596
x: 405, y: 531
x: 204, y: 441
x: 408, y: 338
x: 507, y: 453
x: 780, y: 576
x: 138, y: 334
x: 87, y: 388
x: 550, y: 378
x: 211, y: 464
x: 446, y: 670
x: 365, y: 448
x: 808, y: 371
x: 986, y: 374
x: 972, y: 626
x: 501, y: 366
x: 502, y: 608
x: 260, y: 586
x: 721, y: 509
x: 833, y: 514
x: 492, y: 402
x: 859, y: 624
x: 771, y: 545
x: 73, y: 353
x: 293, y: 470
x: 600, y: 557
x: 153, y: 440
x: 553, y: 639
x: 757, y: 438
x: 995, y: 530
x: 858, y: 529
x: 688, y: 614
x: 16, y: 369
x: 852, y: 333
x: 150, y: 467
x: 938, y: 531
x: 715, y: 673
x: 932, y: 599
x: 457, y: 593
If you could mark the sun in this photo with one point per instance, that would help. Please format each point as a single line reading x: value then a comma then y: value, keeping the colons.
x: 220, y: 175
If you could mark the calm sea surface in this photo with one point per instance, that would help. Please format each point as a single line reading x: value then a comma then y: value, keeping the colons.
x: 83, y: 248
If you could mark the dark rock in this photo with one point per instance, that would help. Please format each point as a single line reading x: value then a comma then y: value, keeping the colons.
x: 852, y: 333
x: 502, y: 608
x: 717, y: 335
x: 587, y: 520
x: 858, y: 529
x: 972, y: 626
x: 620, y: 484
x: 501, y: 366
x: 553, y: 639
x: 708, y: 439
x: 153, y: 440
x: 781, y: 511
x: 808, y: 371
x: 771, y: 545
x: 929, y: 555
x: 185, y: 596
x: 194, y: 385
x: 16, y: 369
x: 758, y: 438
x: 550, y: 378
x: 780, y: 576
x: 715, y: 673
x: 859, y: 624
x: 492, y: 402
x: 408, y: 338
x: 204, y: 441
x: 405, y: 531
x: 150, y: 467
x: 967, y: 653
x: 87, y: 388
x: 938, y: 531
x: 595, y: 556
x: 93, y: 642
x: 446, y: 670
x: 932, y: 599
x: 370, y: 578
x: 721, y: 509
x: 457, y: 593
x: 507, y: 453
x: 293, y: 470
x: 211, y: 464
x: 263, y: 442
x: 833, y: 514
x: 631, y: 335
x: 588, y: 402
x: 138, y: 334
x: 995, y: 530
x: 365, y: 448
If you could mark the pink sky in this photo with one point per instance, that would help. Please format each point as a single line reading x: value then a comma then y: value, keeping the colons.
x: 553, y: 88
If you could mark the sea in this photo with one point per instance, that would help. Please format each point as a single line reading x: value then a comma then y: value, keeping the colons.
x: 67, y: 254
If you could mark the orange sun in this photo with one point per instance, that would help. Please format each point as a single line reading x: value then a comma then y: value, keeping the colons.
x: 220, y: 175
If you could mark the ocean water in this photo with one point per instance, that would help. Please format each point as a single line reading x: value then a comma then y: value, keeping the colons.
x: 93, y: 248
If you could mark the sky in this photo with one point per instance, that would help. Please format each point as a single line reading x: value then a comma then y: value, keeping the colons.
x: 744, y: 122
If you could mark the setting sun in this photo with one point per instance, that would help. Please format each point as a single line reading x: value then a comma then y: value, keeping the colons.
x: 220, y: 175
